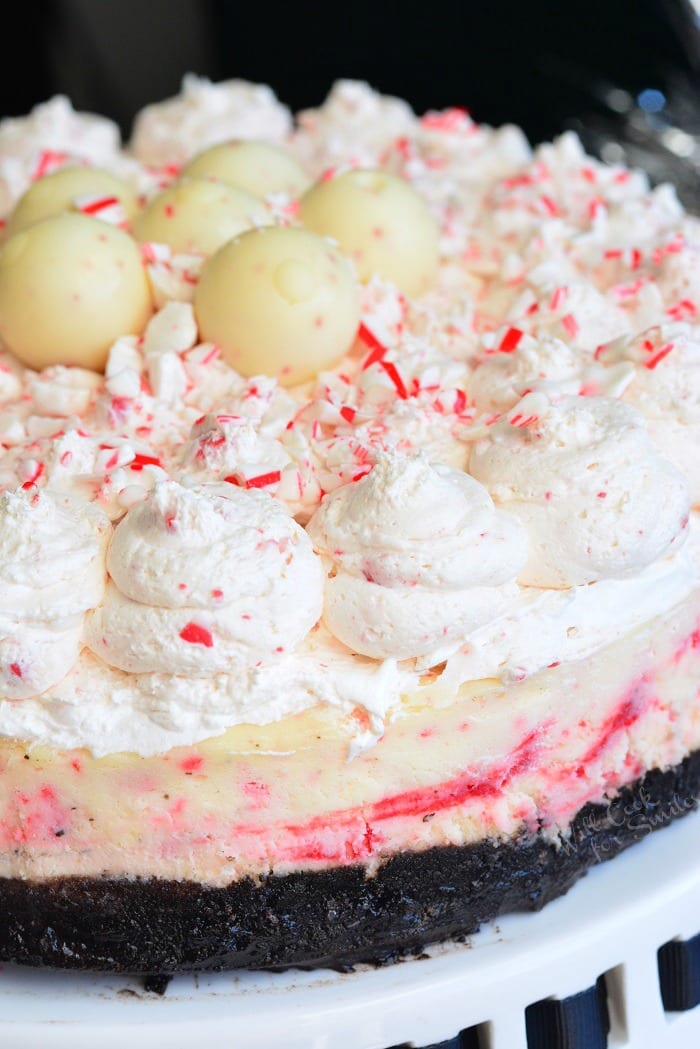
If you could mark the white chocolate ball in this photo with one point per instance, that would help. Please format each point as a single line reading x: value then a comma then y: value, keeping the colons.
x: 196, y: 216
x: 280, y: 302
x: 70, y: 286
x: 380, y: 222
x: 256, y: 166
x: 58, y: 192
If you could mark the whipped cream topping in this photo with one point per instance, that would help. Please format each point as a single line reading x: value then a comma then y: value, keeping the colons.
x: 545, y: 628
x: 583, y: 477
x: 351, y: 128
x: 107, y: 710
x: 512, y: 364
x: 544, y: 257
x: 548, y: 364
x: 51, y: 136
x: 204, y: 114
x: 419, y: 557
x: 52, y: 571
x: 583, y: 317
x: 203, y: 580
x: 405, y: 426
x: 231, y: 448
x: 665, y: 387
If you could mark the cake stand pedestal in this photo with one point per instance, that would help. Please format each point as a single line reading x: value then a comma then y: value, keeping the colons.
x: 610, y: 926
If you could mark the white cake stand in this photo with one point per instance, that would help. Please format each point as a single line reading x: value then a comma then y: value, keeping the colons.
x: 610, y: 923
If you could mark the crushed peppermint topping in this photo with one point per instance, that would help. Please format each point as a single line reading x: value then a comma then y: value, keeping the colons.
x: 535, y: 246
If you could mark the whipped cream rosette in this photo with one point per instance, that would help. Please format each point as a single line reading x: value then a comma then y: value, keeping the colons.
x: 575, y: 312
x: 51, y: 136
x: 52, y: 571
x: 232, y: 448
x: 583, y: 477
x: 412, y: 425
x: 666, y: 389
x: 419, y: 558
x: 513, y: 364
x: 518, y: 363
x: 353, y: 126
x: 205, y: 580
x: 204, y: 114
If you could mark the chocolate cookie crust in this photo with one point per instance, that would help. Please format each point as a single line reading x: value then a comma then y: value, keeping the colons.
x: 329, y: 918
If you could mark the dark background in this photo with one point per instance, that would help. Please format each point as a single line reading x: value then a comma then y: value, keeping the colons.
x: 545, y: 64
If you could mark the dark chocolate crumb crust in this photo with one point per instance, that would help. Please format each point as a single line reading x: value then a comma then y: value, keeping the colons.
x: 329, y: 918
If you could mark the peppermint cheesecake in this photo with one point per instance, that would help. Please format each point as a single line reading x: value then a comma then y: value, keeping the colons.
x: 349, y: 553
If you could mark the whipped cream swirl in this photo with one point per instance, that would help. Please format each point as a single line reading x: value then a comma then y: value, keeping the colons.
x: 666, y: 389
x: 205, y: 580
x: 419, y: 558
x: 354, y: 123
x: 515, y: 364
x: 501, y: 379
x: 52, y: 571
x: 52, y: 135
x: 204, y: 114
x: 583, y: 477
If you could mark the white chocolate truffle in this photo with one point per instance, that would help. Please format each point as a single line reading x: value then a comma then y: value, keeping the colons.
x: 279, y: 302
x: 59, y: 191
x: 258, y: 167
x: 196, y: 216
x: 380, y: 222
x: 70, y: 286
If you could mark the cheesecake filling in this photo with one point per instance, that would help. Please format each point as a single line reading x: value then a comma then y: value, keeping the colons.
x: 494, y: 761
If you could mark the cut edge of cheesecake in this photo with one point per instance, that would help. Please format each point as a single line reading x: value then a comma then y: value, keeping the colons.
x: 333, y: 918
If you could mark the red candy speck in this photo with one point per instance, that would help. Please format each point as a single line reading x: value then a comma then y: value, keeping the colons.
x: 94, y: 207
x: 194, y: 634
x: 549, y: 205
x: 392, y: 371
x: 36, y: 476
x: 652, y: 362
x: 369, y: 339
x: 570, y: 325
x: 139, y: 461
x: 261, y: 481
x: 48, y: 161
x: 558, y: 297
x: 520, y: 420
x: 683, y: 310
x: 510, y: 340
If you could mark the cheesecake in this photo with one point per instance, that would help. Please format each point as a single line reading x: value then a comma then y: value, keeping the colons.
x: 349, y: 546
